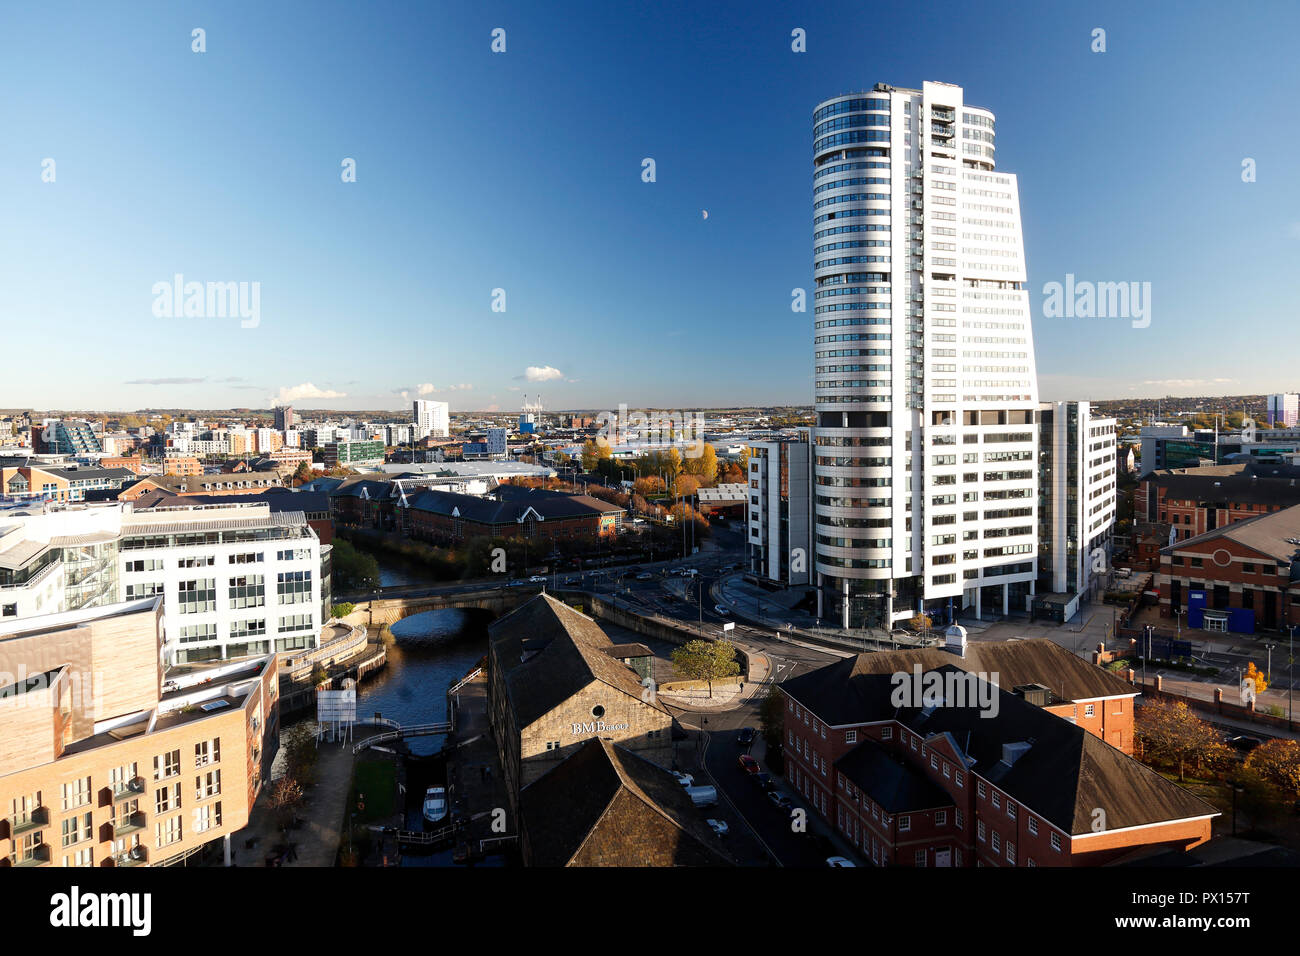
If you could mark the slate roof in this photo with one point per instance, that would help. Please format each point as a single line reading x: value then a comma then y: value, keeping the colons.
x: 550, y: 652
x: 279, y: 499
x: 1248, y: 483
x: 511, y: 507
x: 605, y: 806
x: 1266, y: 534
x: 894, y: 786
x: 835, y: 692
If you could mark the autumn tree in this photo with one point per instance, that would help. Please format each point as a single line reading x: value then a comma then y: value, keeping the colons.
x: 686, y: 485
x: 920, y: 622
x: 1171, y: 733
x: 649, y: 485
x: 1253, y: 673
x: 706, y: 661
x: 1278, y: 762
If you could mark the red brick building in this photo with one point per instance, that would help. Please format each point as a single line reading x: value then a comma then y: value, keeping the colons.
x: 515, y: 512
x: 1247, y: 571
x: 1026, y: 779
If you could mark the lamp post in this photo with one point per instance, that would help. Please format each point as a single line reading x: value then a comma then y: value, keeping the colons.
x: 1268, y: 672
x: 1236, y: 789
x: 1290, y: 670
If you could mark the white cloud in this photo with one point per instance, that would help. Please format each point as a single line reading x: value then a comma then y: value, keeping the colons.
x: 296, y: 393
x: 428, y: 388
x: 543, y: 373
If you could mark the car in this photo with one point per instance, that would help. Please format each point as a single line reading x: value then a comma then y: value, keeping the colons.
x: 537, y: 579
x: 763, y: 780
x: 748, y: 763
x: 645, y: 576
x: 717, y: 826
x: 721, y: 610
x: 516, y: 582
x: 685, y: 779
x: 1245, y: 743
x: 839, y: 861
x: 780, y: 800
x: 170, y: 686
x: 745, y: 736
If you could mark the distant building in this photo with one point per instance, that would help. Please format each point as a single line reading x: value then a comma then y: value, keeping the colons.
x: 47, y: 483
x: 1283, y: 410
x: 182, y: 466
x: 512, y: 512
x: 350, y: 454
x: 285, y: 419
x: 74, y: 438
x: 432, y: 419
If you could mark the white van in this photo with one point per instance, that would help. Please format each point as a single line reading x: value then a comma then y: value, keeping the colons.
x: 703, y: 796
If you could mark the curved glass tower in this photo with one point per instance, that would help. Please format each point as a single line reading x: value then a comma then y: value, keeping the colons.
x: 925, y: 478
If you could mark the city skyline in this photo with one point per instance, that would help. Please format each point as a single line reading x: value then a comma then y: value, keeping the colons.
x: 412, y: 252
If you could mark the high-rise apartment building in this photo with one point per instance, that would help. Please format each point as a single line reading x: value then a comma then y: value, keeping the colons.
x: 1076, y: 507
x: 1283, y: 410
x: 432, y: 419
x: 285, y: 418
x: 778, y: 510
x: 925, y: 478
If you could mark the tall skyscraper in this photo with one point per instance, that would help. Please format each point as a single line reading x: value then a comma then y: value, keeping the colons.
x: 1283, y: 410
x: 432, y: 418
x: 925, y: 478
x: 284, y: 417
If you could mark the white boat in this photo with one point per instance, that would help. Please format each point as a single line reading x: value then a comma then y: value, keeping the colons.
x: 435, y: 804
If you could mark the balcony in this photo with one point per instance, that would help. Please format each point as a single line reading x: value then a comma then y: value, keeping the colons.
x: 125, y: 791
x: 128, y: 825
x: 31, y: 820
x: 37, y: 856
x: 136, y: 856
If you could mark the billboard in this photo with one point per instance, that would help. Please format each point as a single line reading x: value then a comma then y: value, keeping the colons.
x: 336, y: 706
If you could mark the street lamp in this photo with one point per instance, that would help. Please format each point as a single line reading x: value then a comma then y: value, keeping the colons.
x: 1236, y: 789
x: 1290, y: 671
x: 1268, y: 674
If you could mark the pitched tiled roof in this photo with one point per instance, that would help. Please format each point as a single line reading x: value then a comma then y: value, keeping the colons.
x: 491, y: 510
x: 550, y: 652
x: 894, y: 786
x: 605, y: 806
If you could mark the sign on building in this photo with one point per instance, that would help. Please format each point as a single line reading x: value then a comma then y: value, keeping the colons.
x: 336, y: 710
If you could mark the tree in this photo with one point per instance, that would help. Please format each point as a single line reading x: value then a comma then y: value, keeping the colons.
x: 302, y: 475
x: 1253, y: 673
x: 1170, y: 732
x: 920, y: 622
x: 743, y: 460
x: 706, y: 661
x: 1278, y: 762
x: 673, y: 463
x: 286, y: 796
x: 342, y: 610
x: 686, y: 485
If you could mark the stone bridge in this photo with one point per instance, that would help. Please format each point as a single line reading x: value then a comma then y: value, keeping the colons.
x: 389, y: 610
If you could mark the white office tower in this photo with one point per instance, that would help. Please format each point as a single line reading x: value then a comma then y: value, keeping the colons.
x: 1077, y: 516
x: 925, y: 476
x: 432, y: 418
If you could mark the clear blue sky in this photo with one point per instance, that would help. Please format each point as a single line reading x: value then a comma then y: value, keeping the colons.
x: 522, y: 171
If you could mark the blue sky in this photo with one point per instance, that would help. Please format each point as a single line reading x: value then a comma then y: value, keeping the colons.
x: 522, y: 171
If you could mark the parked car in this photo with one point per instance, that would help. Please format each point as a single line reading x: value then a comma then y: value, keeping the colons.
x: 537, y: 579
x: 748, y: 764
x: 780, y: 800
x: 839, y: 861
x: 763, y: 780
x: 721, y: 610
x: 745, y: 736
x: 685, y: 779
x: 717, y: 826
x: 645, y: 576
x: 1245, y: 743
x: 170, y: 686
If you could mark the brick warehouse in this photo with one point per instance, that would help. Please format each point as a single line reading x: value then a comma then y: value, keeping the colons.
x: 1244, y: 577
x: 949, y: 785
x: 553, y: 683
x: 514, y: 512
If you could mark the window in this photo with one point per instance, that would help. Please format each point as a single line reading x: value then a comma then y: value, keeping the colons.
x: 960, y: 779
x: 850, y: 736
x: 167, y: 765
x: 207, y: 816
x: 981, y: 790
x: 1011, y: 852
x: 904, y: 824
x: 248, y: 558
x: 997, y: 800
x: 1088, y: 710
x: 886, y: 733
x: 167, y: 831
x: 934, y: 762
x: 294, y: 587
x: 85, y: 857
x: 207, y: 785
x: 979, y: 830
x: 920, y: 858
x: 196, y: 597
x: 1011, y: 810
x: 76, y: 828
x: 1056, y: 842
x: 167, y: 798
x: 941, y: 818
x: 76, y: 794
x: 207, y: 751
x: 1033, y: 827
x: 947, y: 769
x: 995, y: 841
x: 247, y: 591
x: 960, y: 819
